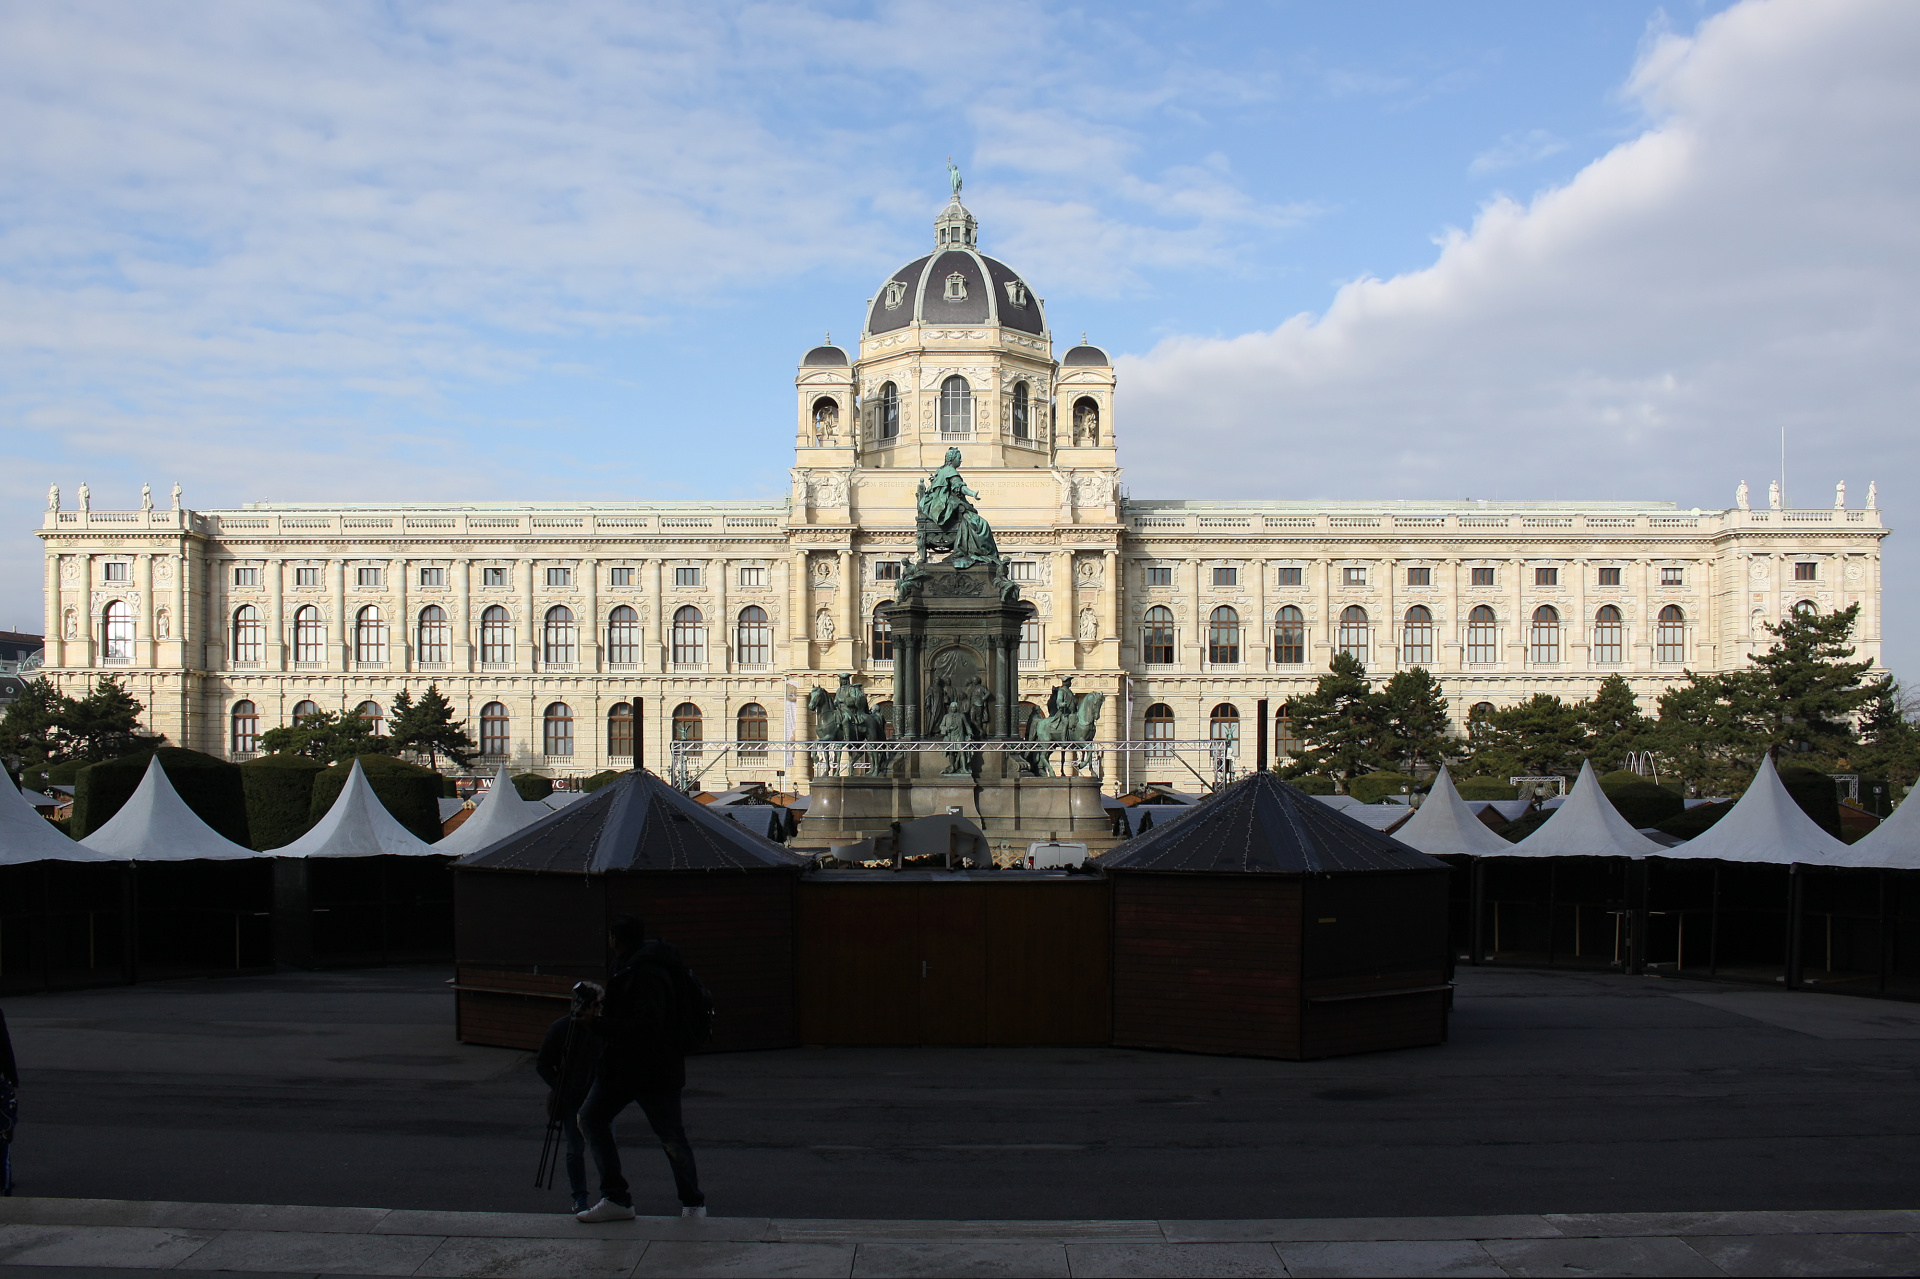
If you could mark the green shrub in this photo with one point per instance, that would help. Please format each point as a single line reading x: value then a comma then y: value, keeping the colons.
x: 1314, y: 784
x: 533, y: 786
x: 40, y: 777
x: 1515, y: 831
x: 1371, y: 788
x: 211, y: 787
x: 411, y: 793
x: 1610, y: 782
x: 1817, y: 794
x: 601, y: 778
x: 1484, y: 788
x: 1694, y: 820
x: 279, y: 791
x: 447, y: 789
x: 1644, y: 804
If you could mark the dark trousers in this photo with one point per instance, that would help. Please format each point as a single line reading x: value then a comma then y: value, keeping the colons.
x: 576, y: 1153
x: 662, y: 1109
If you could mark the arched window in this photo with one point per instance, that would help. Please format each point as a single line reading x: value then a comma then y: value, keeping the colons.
x: 1353, y: 631
x: 1159, y: 729
x: 249, y: 634
x: 246, y: 728
x: 375, y: 715
x: 1544, y: 644
x: 1482, y: 646
x: 623, y: 636
x: 1032, y: 645
x: 1479, y: 719
x: 117, y: 627
x: 956, y: 407
x: 1416, y: 642
x: 1289, y: 636
x: 753, y: 636
x: 1156, y: 637
x: 1670, y: 636
x: 689, y: 636
x: 309, y: 635
x: 303, y: 709
x: 620, y: 731
x: 889, y: 411
x: 1223, y: 725
x: 496, y: 636
x: 1022, y: 412
x: 880, y: 647
x: 687, y: 725
x: 1223, y: 636
x: 1086, y: 423
x: 1606, y: 634
x: 369, y: 635
x: 1286, y: 738
x: 750, y: 725
x: 559, y: 640
x: 494, y: 738
x: 558, y: 737
x: 1806, y: 608
x: 434, y: 635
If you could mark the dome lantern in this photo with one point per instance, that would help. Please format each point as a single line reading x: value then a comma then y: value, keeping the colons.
x: 955, y: 227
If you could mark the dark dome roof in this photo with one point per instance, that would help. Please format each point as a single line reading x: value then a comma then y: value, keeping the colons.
x: 991, y: 292
x: 824, y: 357
x: 1086, y: 356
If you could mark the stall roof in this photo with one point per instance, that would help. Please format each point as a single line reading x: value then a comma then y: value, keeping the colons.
x: 1894, y: 844
x: 636, y: 822
x: 25, y: 835
x: 358, y: 825
x: 156, y: 825
x: 499, y: 813
x: 1766, y: 826
x: 1511, y: 810
x: 1586, y: 825
x: 1262, y: 825
x: 1444, y: 824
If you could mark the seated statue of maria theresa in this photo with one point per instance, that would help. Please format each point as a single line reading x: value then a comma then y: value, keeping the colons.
x: 948, y: 521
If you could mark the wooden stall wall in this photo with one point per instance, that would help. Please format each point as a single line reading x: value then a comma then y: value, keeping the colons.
x: 911, y: 961
x: 1374, y: 962
x: 1207, y: 963
x: 520, y: 942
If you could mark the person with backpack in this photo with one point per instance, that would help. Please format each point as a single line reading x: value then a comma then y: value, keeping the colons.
x: 655, y: 1010
x: 569, y: 1052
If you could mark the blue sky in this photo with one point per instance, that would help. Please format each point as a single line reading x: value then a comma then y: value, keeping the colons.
x: 373, y: 251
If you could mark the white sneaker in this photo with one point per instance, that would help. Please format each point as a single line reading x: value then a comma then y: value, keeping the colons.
x: 607, y: 1210
x: 700, y: 1211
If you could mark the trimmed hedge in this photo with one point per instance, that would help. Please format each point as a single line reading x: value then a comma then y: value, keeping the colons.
x: 1817, y: 794
x: 411, y: 793
x: 211, y: 787
x: 533, y: 786
x: 1695, y: 820
x: 1515, y: 831
x: 1315, y: 784
x: 601, y: 778
x: 1371, y: 788
x: 65, y: 773
x: 1484, y: 788
x: 1643, y: 804
x: 279, y: 797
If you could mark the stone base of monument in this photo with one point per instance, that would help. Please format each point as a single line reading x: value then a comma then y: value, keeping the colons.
x: 1011, y: 812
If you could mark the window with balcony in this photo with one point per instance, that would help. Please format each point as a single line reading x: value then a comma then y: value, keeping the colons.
x: 249, y: 634
x: 623, y: 636
x: 956, y: 407
x: 245, y: 728
x: 750, y: 726
x: 1670, y: 635
x: 1156, y: 636
x: 495, y: 735
x: 560, y: 639
x: 1355, y: 634
x: 309, y: 635
x: 1543, y: 647
x: 1022, y: 412
x: 369, y: 636
x: 1159, y: 728
x: 435, y: 635
x: 1223, y: 725
x: 753, y: 636
x: 689, y: 636
x: 889, y: 411
x: 1223, y: 636
x: 880, y: 646
x: 1607, y: 635
x: 688, y: 725
x: 1289, y: 636
x: 620, y: 731
x: 1483, y: 644
x: 1416, y: 640
x: 557, y: 729
x: 496, y: 637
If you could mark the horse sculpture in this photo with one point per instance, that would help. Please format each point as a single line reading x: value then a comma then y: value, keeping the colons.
x: 1077, y: 726
x: 834, y: 724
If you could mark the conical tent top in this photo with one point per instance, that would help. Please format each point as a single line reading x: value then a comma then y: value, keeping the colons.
x: 1893, y: 844
x: 498, y: 814
x: 155, y: 825
x: 357, y: 825
x: 1444, y: 824
x: 1766, y: 826
x: 26, y: 836
x: 1586, y: 825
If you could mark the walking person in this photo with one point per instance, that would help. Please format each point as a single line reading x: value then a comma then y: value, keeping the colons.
x: 653, y: 1012
x: 569, y: 1052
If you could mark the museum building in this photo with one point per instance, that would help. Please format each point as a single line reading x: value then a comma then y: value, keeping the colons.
x: 577, y: 637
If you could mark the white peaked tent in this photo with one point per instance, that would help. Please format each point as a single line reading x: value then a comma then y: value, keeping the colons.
x: 25, y: 836
x: 499, y: 814
x: 1444, y: 824
x: 1892, y: 845
x: 1766, y: 826
x: 157, y: 826
x: 1587, y: 825
x: 358, y: 825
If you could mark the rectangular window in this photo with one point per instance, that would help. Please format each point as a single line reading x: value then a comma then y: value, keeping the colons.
x: 1673, y: 577
x: 757, y: 575
x: 883, y: 571
x: 1226, y: 577
x: 367, y: 576
x: 114, y: 572
x: 1159, y: 575
x: 1801, y: 572
x: 1419, y: 577
x: 1353, y: 577
x: 246, y: 577
x: 559, y: 577
x: 1483, y: 577
x: 1024, y: 571
x: 433, y: 577
x: 1290, y: 576
x: 493, y: 577
x: 1031, y: 648
x: 306, y: 577
x: 620, y: 577
x: 1546, y: 577
x: 686, y: 577
x: 1609, y: 577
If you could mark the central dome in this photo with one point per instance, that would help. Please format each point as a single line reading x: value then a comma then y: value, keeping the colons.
x: 955, y: 284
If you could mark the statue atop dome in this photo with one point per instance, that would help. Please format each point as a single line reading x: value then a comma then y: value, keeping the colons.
x: 948, y: 521
x: 953, y: 176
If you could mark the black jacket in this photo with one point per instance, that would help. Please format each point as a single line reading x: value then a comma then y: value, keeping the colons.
x: 640, y: 1019
x: 569, y: 1052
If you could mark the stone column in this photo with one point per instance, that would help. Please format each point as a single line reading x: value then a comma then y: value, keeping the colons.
x: 51, y: 599
x: 591, y: 625
x: 530, y: 633
x: 144, y: 651
x: 907, y: 695
x: 339, y: 627
x: 1110, y: 560
x: 276, y: 571
x: 1262, y: 631
x: 463, y: 619
x: 1327, y: 623
x: 849, y: 607
x: 656, y: 644
x: 400, y: 634
x: 721, y: 645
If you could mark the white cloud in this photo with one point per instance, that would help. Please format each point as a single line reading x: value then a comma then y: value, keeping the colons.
x: 1749, y: 261
x: 1516, y: 149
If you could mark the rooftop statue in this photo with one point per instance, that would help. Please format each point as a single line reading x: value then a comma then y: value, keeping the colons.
x: 948, y: 521
x: 953, y: 176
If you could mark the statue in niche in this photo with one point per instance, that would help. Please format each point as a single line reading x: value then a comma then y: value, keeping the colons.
x: 1086, y: 424
x: 978, y: 703
x: 53, y: 497
x: 162, y: 625
x: 72, y: 626
x: 948, y: 520
x: 1089, y: 625
x: 956, y: 730
x: 823, y: 626
x: 1740, y: 497
x: 826, y: 422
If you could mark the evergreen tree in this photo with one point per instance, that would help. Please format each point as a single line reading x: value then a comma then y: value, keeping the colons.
x: 1413, y: 720
x: 1890, y: 742
x: 1541, y: 737
x: 33, y: 729
x: 1713, y: 731
x: 1616, y: 726
x: 1815, y: 694
x: 428, y: 727
x: 104, y: 724
x: 1338, y: 724
x: 327, y: 737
